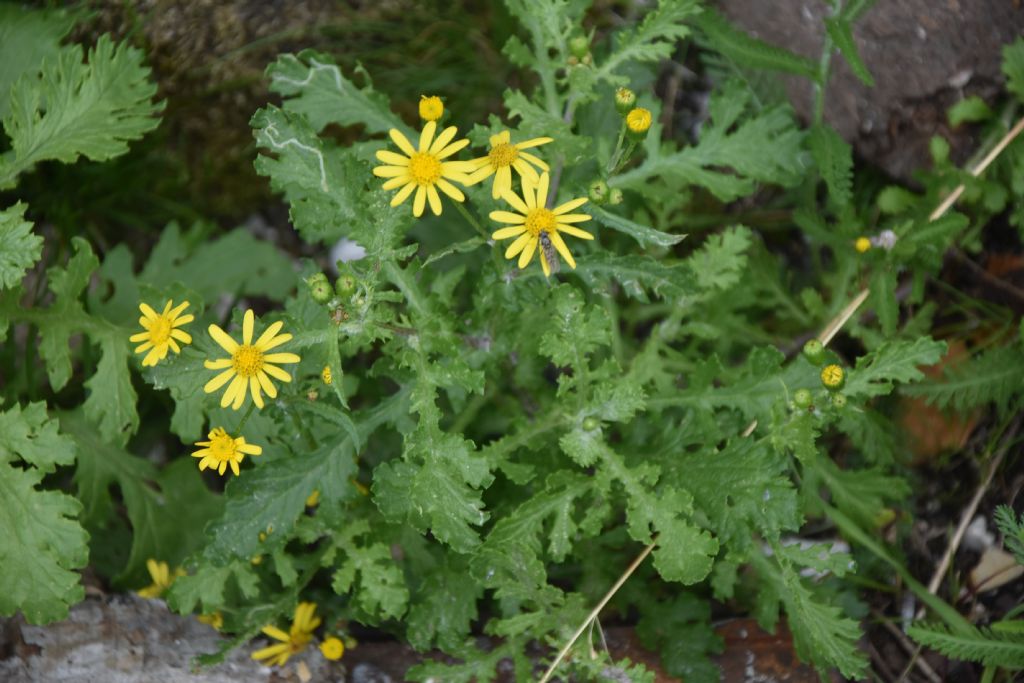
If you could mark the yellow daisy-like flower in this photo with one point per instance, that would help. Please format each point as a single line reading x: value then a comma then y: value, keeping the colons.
x: 325, y: 375
x: 425, y: 169
x: 862, y: 244
x: 162, y: 577
x: 431, y: 108
x: 505, y: 156
x: 833, y: 377
x: 332, y: 648
x: 293, y: 642
x: 161, y: 331
x: 535, y: 223
x: 222, y: 451
x: 250, y: 366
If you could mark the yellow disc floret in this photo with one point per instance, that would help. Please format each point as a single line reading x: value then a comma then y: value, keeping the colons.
x: 332, y: 648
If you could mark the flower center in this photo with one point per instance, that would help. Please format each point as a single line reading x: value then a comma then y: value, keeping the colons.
x: 503, y: 155
x: 247, y: 360
x: 222, y: 446
x: 160, y: 330
x: 424, y: 168
x: 540, y: 220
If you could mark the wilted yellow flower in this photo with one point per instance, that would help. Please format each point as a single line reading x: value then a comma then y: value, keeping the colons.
x: 222, y: 451
x: 332, y: 648
x: 325, y: 374
x: 505, y: 156
x: 423, y: 170
x: 250, y: 366
x: 535, y: 224
x: 216, y: 620
x: 293, y: 642
x: 162, y: 577
x: 313, y: 499
x: 431, y: 108
x: 833, y: 377
x: 160, y: 331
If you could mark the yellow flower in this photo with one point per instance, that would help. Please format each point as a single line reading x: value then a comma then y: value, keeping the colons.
x: 423, y: 170
x: 222, y: 450
x: 862, y: 244
x: 638, y: 121
x: 160, y: 572
x: 534, y: 224
x: 313, y: 499
x: 160, y: 333
x: 332, y: 648
x: 293, y: 642
x: 216, y: 620
x: 250, y: 365
x: 833, y: 377
x: 325, y: 374
x: 431, y: 108
x: 503, y: 157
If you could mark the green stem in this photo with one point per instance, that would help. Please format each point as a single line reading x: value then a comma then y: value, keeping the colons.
x: 613, y: 162
x: 472, y: 220
x: 245, y: 418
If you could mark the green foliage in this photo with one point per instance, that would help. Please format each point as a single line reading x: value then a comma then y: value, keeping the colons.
x: 1013, y: 67
x: 1012, y: 529
x: 44, y: 542
x: 840, y: 30
x: 76, y: 109
x: 990, y: 646
x: 454, y: 420
x: 27, y: 39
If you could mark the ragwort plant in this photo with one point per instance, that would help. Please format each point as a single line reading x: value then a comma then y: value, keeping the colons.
x: 450, y: 439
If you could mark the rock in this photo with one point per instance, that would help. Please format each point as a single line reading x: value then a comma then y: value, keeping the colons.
x: 925, y: 55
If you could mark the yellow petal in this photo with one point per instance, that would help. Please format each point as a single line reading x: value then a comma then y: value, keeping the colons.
x: 574, y: 231
x: 527, y: 254
x: 536, y: 161
x: 220, y: 380
x: 559, y: 243
x: 452, y: 149
x: 281, y: 358
x: 517, y: 203
x: 248, y: 321
x: 507, y: 217
x: 391, y: 171
x: 222, y: 338
x: 426, y: 135
x: 148, y: 311
x: 277, y: 373
x: 403, y: 194
x: 450, y: 190
x: 505, y: 233
x: 527, y: 144
x: 573, y: 217
x: 421, y: 199
x: 402, y: 142
x: 569, y: 206
x: 542, y: 189
x: 392, y: 159
x: 443, y: 139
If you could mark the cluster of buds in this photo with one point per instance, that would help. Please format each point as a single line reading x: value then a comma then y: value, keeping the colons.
x: 638, y: 120
x: 833, y: 377
x: 579, y: 51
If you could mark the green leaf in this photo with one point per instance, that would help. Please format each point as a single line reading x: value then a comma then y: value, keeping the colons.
x: 762, y: 147
x: 323, y: 184
x: 370, y: 574
x: 986, y: 646
x: 205, y: 588
x: 840, y: 30
x: 32, y: 436
x: 750, y: 52
x: 1012, y: 529
x: 1013, y: 67
x: 680, y: 630
x: 637, y: 274
x: 894, y: 361
x: 111, y: 403
x: 20, y: 248
x: 995, y: 376
x: 883, y: 298
x: 722, y: 259
x: 313, y: 85
x: 438, y: 615
x: 77, y: 109
x: 271, y: 497
x: 576, y: 329
x: 653, y: 40
x: 435, y: 487
x: 644, y: 235
x: 67, y: 285
x: 835, y: 161
x: 861, y: 494
x: 28, y: 38
x: 43, y: 543
x: 971, y: 109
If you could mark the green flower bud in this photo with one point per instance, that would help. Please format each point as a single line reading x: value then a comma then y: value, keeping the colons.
x: 839, y: 400
x: 345, y: 285
x: 598, y: 192
x: 320, y: 291
x: 802, y: 398
x: 615, y: 196
x: 579, y: 46
x: 591, y: 423
x: 638, y: 122
x: 625, y: 100
x: 833, y: 377
x: 814, y: 352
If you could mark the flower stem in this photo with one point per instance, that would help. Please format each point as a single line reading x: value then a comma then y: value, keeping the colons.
x: 245, y: 418
x: 613, y: 162
x: 471, y: 220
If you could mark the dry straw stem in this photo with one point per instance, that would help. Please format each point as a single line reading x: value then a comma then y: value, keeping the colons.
x: 826, y: 336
